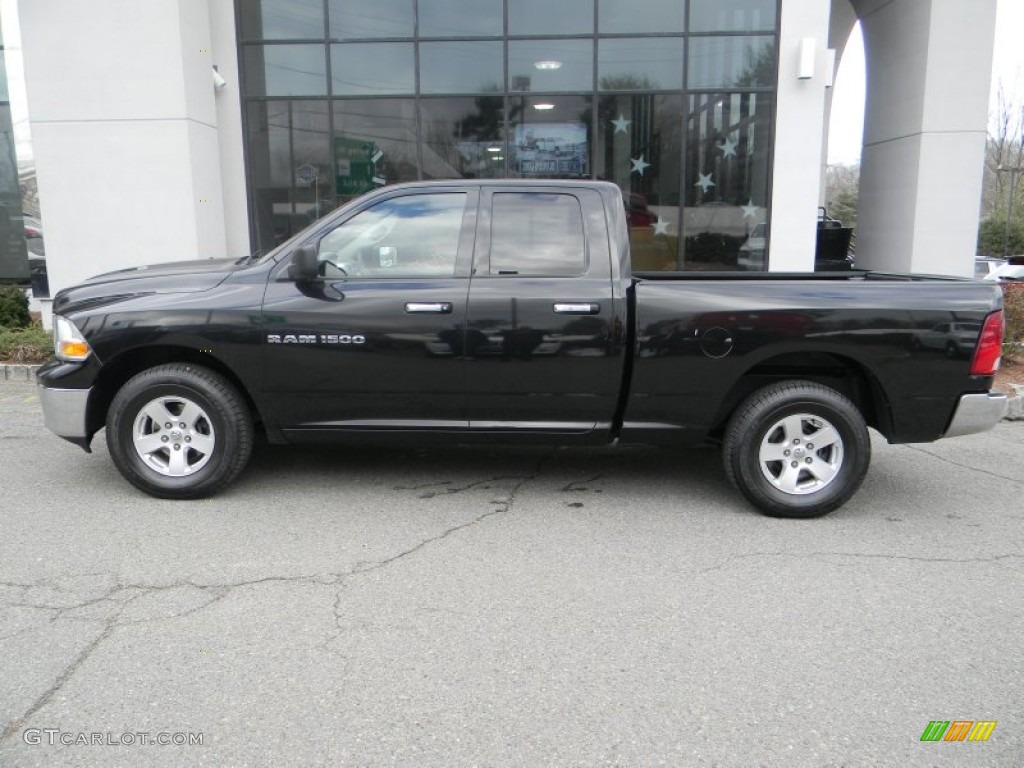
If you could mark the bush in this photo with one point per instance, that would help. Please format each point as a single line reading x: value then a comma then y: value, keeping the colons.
x: 1013, y: 311
x: 25, y: 345
x: 14, y: 308
x: 992, y: 237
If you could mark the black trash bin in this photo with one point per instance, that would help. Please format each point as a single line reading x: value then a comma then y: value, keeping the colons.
x: 832, y: 253
x: 40, y: 282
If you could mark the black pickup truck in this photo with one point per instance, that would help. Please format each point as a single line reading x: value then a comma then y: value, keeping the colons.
x: 507, y: 311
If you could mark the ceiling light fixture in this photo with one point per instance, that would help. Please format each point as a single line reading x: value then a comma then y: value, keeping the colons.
x: 547, y: 64
x: 494, y: 149
x: 543, y: 106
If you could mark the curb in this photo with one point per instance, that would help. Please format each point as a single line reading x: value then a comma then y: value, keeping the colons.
x: 19, y: 373
x: 1015, y: 405
x: 27, y: 373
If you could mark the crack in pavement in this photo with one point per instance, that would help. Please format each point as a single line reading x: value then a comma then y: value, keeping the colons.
x: 963, y: 466
x: 220, y: 591
x: 581, y: 486
x: 864, y: 555
x: 65, y: 675
x: 502, y: 506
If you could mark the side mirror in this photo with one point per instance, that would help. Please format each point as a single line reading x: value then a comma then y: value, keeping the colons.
x: 305, y: 265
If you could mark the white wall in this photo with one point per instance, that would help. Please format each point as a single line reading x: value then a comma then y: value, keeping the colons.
x: 799, y: 138
x: 125, y: 133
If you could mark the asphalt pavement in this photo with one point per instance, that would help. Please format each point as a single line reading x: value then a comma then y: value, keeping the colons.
x: 506, y: 607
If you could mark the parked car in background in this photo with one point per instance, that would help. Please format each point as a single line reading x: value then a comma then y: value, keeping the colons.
x: 1011, y: 270
x: 955, y: 339
x: 637, y: 212
x: 751, y: 255
x: 34, y: 235
x: 986, y: 265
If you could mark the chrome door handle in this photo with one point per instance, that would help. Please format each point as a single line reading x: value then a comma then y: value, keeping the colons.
x: 429, y: 307
x: 576, y: 308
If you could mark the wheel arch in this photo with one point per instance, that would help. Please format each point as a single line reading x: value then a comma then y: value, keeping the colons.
x: 837, y: 371
x: 118, y: 370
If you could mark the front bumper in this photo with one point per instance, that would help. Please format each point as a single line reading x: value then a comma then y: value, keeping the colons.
x: 977, y: 413
x: 64, y: 413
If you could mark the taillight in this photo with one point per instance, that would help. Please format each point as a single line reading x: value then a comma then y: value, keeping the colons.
x: 990, y: 346
x: 32, y: 232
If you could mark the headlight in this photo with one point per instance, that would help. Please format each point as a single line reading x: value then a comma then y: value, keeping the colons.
x: 68, y: 343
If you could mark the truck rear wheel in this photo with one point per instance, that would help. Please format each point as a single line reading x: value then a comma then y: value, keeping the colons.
x: 797, y: 449
x: 179, y: 431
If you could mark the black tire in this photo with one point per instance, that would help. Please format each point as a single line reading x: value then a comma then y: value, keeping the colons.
x: 779, y: 421
x: 212, y: 448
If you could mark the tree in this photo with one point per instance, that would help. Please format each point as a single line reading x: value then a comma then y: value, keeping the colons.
x: 842, y: 185
x: 1004, y: 150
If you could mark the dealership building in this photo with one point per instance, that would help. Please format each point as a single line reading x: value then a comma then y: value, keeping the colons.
x: 178, y: 129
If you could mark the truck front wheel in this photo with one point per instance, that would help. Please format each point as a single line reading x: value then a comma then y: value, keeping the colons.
x: 797, y: 449
x: 179, y: 431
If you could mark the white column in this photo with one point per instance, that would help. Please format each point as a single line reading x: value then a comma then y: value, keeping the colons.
x: 125, y: 132
x: 929, y: 65
x: 799, y: 137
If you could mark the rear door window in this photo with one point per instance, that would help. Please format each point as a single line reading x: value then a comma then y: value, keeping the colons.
x: 537, y: 234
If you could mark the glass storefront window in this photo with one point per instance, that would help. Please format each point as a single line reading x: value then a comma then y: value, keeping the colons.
x: 354, y: 19
x: 463, y: 138
x: 732, y: 15
x: 282, y: 19
x: 639, y: 147
x: 371, y: 69
x: 640, y: 64
x: 726, y: 183
x: 548, y: 66
x: 290, y: 163
x: 285, y: 70
x: 374, y: 144
x: 461, y: 18
x: 732, y: 62
x: 550, y: 137
x: 615, y: 16
x: 461, y: 67
x: 550, y: 17
x: 670, y: 99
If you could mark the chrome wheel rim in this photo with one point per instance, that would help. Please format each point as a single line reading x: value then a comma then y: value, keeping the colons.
x: 173, y: 436
x: 801, y: 454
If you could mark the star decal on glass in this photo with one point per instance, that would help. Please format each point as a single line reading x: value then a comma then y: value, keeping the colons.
x: 622, y: 124
x: 729, y: 147
x: 705, y: 182
x: 639, y: 166
x: 749, y: 210
x: 660, y: 227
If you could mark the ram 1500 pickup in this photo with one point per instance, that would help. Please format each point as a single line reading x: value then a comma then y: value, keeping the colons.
x: 508, y: 311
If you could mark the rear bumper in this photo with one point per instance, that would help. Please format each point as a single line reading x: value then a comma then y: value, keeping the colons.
x: 64, y: 413
x: 977, y: 413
